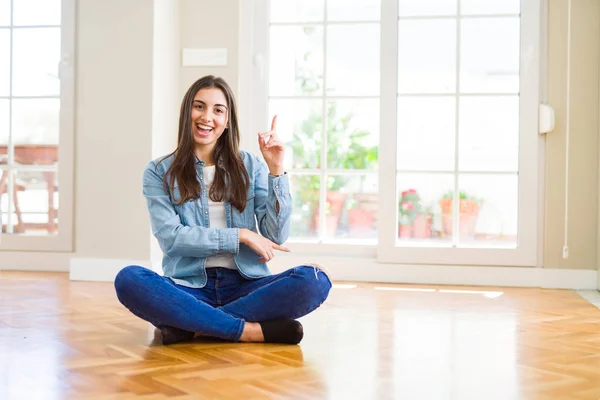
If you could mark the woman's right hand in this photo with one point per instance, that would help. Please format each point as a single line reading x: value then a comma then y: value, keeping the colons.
x: 260, y: 245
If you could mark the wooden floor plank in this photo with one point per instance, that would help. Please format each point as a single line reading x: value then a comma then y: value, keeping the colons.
x: 73, y: 340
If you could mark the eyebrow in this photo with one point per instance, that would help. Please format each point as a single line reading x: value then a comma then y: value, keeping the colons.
x: 216, y: 105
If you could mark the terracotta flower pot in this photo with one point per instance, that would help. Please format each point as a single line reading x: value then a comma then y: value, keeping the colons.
x: 467, y: 217
x: 422, y: 226
x: 405, y: 231
x: 336, y: 203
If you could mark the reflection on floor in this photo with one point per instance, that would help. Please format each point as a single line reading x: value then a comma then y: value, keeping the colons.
x: 62, y: 339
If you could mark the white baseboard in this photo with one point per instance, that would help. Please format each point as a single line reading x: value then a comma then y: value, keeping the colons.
x: 100, y: 269
x: 368, y: 270
x: 580, y: 279
x: 34, y: 261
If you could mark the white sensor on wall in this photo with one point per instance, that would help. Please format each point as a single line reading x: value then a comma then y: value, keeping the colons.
x: 203, y: 57
x: 546, y: 122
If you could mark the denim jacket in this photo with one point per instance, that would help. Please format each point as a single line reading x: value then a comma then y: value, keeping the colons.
x: 184, y: 233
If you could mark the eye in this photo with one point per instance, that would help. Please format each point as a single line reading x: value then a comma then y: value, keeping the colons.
x: 219, y: 111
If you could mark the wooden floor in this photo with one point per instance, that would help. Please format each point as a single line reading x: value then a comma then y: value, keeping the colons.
x: 72, y: 340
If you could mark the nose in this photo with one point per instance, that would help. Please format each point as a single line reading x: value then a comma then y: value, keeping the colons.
x: 204, y: 116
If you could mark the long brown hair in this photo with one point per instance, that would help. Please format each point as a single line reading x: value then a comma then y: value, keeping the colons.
x: 231, y: 181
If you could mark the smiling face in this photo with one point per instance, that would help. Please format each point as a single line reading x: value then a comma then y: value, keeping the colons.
x: 209, y: 119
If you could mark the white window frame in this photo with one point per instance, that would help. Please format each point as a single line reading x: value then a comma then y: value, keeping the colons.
x: 62, y: 241
x: 253, y: 99
x: 526, y: 252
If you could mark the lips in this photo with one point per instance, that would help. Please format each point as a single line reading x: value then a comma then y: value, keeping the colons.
x: 203, y: 130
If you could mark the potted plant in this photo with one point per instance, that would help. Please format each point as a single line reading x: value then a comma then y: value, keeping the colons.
x: 468, y: 214
x: 408, y: 209
x: 414, y: 218
x: 345, y: 150
x: 421, y: 226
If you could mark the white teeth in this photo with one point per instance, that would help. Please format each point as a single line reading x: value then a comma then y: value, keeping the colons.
x: 205, y: 127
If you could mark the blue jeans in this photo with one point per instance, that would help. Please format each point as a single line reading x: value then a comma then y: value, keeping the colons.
x: 221, y: 308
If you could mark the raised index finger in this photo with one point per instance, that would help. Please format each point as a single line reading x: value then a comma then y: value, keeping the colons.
x: 274, y: 123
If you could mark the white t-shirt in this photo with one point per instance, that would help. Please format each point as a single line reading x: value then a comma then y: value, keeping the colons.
x: 217, y: 219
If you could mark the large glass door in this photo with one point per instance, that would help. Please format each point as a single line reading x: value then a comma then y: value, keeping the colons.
x: 460, y: 84
x: 411, y: 125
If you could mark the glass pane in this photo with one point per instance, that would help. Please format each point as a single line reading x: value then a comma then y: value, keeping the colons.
x: 352, y: 203
x: 490, y: 55
x: 490, y: 6
x: 488, y: 210
x: 36, y: 121
x: 300, y: 127
x: 4, y: 62
x: 296, y: 62
x: 420, y: 212
x: 489, y: 133
x: 353, y: 134
x: 5, y: 12
x: 353, y: 10
x: 335, y: 202
x: 37, y: 202
x: 305, y: 215
x: 426, y: 133
x: 4, y: 126
x: 409, y: 8
x: 36, y: 55
x: 37, y: 12
x: 427, y: 71
x: 353, y: 60
x: 296, y: 10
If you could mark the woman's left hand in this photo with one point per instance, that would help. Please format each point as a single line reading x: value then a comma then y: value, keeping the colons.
x: 272, y: 149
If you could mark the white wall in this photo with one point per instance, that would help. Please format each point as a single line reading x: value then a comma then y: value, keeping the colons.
x: 165, y: 76
x: 165, y: 87
x: 583, y: 159
x: 113, y: 127
x: 210, y: 24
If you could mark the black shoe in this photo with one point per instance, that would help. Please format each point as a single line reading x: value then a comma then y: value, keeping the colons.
x: 287, y: 331
x: 170, y: 335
